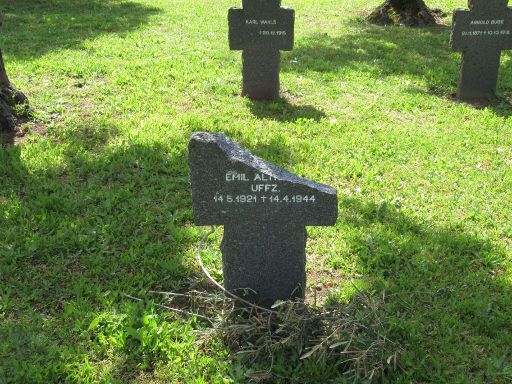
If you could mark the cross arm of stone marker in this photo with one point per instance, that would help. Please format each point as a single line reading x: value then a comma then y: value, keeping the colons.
x: 483, y: 10
x: 220, y: 166
x: 240, y: 32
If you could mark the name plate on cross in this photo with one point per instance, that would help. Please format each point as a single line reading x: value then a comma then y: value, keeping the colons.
x: 264, y: 210
x: 261, y: 29
x: 481, y: 33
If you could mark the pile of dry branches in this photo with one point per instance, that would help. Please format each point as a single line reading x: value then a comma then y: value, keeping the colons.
x: 345, y: 339
x: 339, y: 339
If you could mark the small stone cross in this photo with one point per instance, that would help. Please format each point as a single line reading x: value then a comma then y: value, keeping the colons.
x: 481, y: 33
x: 264, y: 210
x: 261, y: 29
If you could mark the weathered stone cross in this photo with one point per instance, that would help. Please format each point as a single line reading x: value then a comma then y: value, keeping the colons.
x: 261, y: 29
x: 481, y: 33
x: 264, y: 210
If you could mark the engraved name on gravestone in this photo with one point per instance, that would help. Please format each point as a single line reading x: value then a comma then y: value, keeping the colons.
x: 264, y: 210
x: 481, y: 33
x: 261, y: 29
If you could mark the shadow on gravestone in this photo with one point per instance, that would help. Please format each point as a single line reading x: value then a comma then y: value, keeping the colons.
x: 261, y: 29
x: 264, y: 210
x: 481, y: 33
x: 282, y: 110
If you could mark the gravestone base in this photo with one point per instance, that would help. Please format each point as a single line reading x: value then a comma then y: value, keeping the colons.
x: 265, y: 262
x: 261, y: 74
x: 479, y: 75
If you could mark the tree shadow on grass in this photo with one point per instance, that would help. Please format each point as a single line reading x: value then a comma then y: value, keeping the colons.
x: 33, y: 28
x: 447, y: 290
x: 390, y: 51
x: 282, y: 110
x: 380, y: 51
x: 101, y: 221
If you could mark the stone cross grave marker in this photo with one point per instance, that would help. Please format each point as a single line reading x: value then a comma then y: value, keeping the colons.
x: 264, y: 210
x: 481, y: 33
x: 261, y: 29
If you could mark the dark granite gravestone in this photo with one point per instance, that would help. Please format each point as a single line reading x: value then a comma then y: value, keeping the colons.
x: 261, y: 29
x: 481, y: 33
x: 264, y: 210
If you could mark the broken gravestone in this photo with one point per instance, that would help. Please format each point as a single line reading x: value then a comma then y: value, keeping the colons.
x: 481, y: 33
x: 264, y: 210
x: 261, y: 29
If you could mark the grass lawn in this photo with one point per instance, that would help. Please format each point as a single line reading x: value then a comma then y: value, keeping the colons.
x: 95, y: 201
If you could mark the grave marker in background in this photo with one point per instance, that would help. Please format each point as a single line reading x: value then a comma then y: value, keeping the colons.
x: 261, y: 29
x: 481, y: 33
x: 264, y: 210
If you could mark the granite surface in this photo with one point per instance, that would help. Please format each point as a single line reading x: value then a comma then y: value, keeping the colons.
x: 264, y: 210
x: 481, y: 33
x: 262, y: 28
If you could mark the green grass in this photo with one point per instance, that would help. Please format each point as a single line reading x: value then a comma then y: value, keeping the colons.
x: 99, y: 205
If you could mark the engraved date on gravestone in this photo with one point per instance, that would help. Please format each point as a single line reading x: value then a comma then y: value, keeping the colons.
x: 262, y: 31
x: 258, y: 188
x: 261, y: 24
x: 486, y: 22
x: 490, y: 28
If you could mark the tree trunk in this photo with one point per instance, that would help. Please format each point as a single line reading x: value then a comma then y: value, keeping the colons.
x: 411, y: 13
x: 11, y: 100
